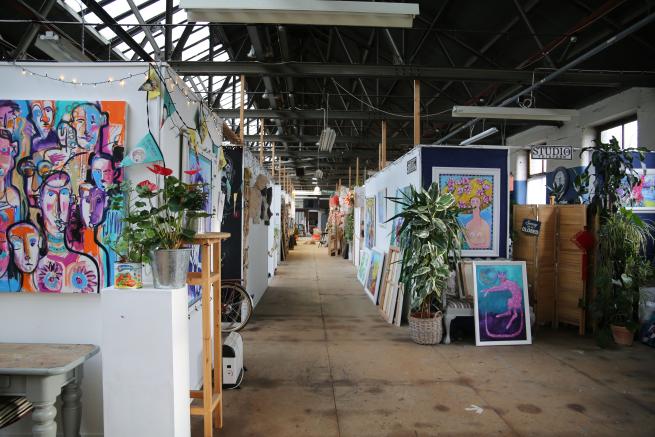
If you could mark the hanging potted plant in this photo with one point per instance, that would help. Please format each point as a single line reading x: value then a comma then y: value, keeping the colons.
x: 129, y: 245
x: 429, y: 235
x: 160, y: 216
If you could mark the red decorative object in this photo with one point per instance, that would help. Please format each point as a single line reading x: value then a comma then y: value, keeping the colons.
x: 334, y: 200
x: 161, y: 170
x: 148, y: 186
x: 585, y: 241
x: 192, y: 172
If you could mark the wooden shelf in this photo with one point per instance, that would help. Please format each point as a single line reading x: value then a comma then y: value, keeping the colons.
x: 210, y: 405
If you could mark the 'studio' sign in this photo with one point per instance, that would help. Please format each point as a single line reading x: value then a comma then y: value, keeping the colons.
x: 551, y: 152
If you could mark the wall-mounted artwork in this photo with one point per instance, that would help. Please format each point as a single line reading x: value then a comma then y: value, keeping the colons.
x: 502, y: 314
x: 374, y: 275
x: 643, y: 194
x: 478, y: 190
x: 198, y: 170
x: 364, y: 261
x: 398, y: 222
x: 369, y: 222
x: 381, y: 205
x: 58, y: 162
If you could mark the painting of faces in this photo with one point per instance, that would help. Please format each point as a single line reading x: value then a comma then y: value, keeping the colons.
x: 58, y: 163
x: 477, y: 192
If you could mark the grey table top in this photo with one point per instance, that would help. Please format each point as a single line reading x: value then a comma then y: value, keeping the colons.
x: 42, y: 358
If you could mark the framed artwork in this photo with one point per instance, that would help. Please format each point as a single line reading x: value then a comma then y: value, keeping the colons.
x: 382, y: 207
x: 642, y: 197
x: 364, y: 261
x: 398, y: 222
x: 59, y: 160
x: 374, y: 275
x: 477, y: 189
x: 501, y: 308
x: 465, y: 272
x: 369, y: 222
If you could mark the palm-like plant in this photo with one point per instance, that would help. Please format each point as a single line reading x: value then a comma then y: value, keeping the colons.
x: 429, y: 237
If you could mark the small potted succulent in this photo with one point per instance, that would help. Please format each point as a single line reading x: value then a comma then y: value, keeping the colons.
x: 430, y: 239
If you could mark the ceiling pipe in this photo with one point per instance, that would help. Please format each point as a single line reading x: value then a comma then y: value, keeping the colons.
x: 608, y: 43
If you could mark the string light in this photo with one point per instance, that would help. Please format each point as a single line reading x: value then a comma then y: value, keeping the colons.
x: 122, y: 82
x: 75, y: 81
x: 61, y: 78
x: 24, y: 72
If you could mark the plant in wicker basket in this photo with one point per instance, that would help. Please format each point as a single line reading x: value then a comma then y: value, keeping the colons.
x: 430, y: 234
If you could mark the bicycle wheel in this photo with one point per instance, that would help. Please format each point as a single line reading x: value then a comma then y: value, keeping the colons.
x: 236, y: 307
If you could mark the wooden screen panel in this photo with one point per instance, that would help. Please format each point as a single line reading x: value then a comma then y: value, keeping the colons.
x: 545, y: 283
x: 571, y: 285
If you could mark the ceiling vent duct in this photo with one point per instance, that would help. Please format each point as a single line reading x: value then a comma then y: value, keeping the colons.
x: 326, y: 141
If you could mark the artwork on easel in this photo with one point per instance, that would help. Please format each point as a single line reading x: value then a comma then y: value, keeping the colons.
x: 478, y: 191
x: 374, y: 275
x: 502, y: 314
x: 369, y: 222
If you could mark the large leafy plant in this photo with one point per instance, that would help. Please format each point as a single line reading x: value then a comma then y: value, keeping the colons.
x: 430, y: 238
x: 608, y: 176
x: 160, y: 216
x: 622, y: 268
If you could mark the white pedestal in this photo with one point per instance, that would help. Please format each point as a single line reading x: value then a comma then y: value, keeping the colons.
x: 145, y: 363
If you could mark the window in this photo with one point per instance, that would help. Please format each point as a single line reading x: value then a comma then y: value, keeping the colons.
x: 536, y: 166
x: 625, y: 132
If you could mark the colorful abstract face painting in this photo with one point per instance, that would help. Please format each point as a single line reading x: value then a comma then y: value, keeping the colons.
x: 477, y: 190
x: 501, y: 303
x: 58, y: 163
x: 369, y: 222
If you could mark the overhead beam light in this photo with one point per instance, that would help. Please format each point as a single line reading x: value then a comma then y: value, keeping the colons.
x: 514, y: 113
x: 478, y: 137
x: 306, y: 12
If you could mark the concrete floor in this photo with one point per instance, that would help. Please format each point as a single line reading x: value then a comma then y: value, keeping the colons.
x: 321, y: 362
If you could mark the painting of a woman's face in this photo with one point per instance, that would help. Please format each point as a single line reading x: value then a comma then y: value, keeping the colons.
x: 87, y: 121
x: 475, y: 203
x: 25, y: 242
x: 43, y: 116
x: 55, y: 200
x: 6, y: 154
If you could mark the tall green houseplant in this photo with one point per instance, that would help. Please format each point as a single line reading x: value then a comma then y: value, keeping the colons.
x: 430, y: 238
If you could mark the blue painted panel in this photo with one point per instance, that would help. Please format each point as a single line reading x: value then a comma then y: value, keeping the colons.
x: 474, y: 158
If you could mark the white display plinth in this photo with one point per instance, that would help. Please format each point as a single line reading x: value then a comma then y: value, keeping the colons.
x: 145, y: 362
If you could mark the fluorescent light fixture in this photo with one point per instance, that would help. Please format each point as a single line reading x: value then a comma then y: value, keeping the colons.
x: 317, y: 190
x: 314, y: 179
x: 59, y: 49
x: 307, y: 12
x: 514, y: 113
x: 326, y: 140
x: 478, y: 137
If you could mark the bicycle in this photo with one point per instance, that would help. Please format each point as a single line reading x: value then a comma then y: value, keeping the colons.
x: 236, y: 306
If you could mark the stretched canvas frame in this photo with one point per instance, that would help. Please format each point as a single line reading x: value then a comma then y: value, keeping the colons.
x: 369, y: 222
x: 374, y: 275
x: 501, y: 301
x: 645, y: 201
x: 486, y: 181
x: 364, y: 261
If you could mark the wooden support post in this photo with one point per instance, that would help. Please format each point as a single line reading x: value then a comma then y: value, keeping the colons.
x: 379, y: 156
x: 350, y: 177
x: 357, y: 173
x: 384, y: 143
x: 273, y: 161
x: 242, y: 109
x: 261, y: 141
x: 417, y: 112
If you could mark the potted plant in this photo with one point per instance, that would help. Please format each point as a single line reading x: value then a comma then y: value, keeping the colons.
x: 429, y: 235
x: 128, y: 270
x: 622, y: 269
x: 160, y: 216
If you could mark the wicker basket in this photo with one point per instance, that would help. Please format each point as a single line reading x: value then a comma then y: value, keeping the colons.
x: 426, y: 331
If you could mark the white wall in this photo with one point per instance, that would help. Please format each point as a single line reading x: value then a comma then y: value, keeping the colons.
x: 76, y: 318
x: 273, y: 243
x: 394, y: 176
x: 580, y: 131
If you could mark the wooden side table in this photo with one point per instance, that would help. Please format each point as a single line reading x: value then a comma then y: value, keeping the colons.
x: 41, y: 372
x: 211, y: 396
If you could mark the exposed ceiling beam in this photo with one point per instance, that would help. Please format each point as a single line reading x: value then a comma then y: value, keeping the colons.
x: 186, y: 33
x: 146, y: 29
x: 318, y: 114
x: 317, y: 69
x: 94, y: 7
x: 312, y: 139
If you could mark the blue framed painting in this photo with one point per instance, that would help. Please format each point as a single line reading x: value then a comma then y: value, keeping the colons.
x: 478, y: 191
x: 501, y: 305
x: 396, y: 224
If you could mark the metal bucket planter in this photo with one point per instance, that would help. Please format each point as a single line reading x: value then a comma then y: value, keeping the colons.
x: 170, y: 267
x: 128, y: 275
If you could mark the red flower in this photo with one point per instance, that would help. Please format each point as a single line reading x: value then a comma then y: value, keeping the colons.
x: 192, y: 172
x: 158, y: 169
x: 147, y: 185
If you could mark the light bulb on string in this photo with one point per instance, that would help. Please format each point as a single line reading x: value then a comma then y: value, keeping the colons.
x: 74, y: 80
x: 24, y: 72
x: 122, y: 83
x: 61, y: 77
x: 110, y: 80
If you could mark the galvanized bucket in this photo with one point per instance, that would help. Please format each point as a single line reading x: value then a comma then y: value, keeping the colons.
x: 170, y: 267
